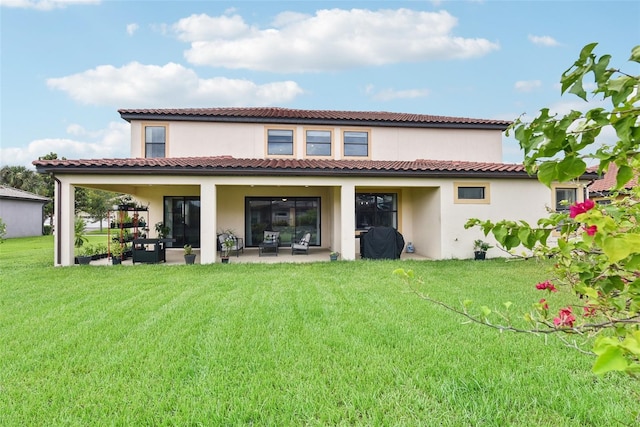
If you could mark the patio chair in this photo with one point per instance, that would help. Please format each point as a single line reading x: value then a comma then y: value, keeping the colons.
x: 302, y: 245
x: 270, y: 236
x: 238, y: 243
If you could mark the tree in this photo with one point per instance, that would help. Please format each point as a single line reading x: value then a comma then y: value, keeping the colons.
x: 98, y: 204
x: 49, y: 187
x: 597, y: 256
x: 22, y: 178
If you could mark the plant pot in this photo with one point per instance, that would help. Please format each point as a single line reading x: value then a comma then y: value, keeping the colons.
x: 333, y: 257
x: 190, y: 259
x: 84, y: 260
x: 116, y: 260
x: 225, y: 260
x: 479, y: 255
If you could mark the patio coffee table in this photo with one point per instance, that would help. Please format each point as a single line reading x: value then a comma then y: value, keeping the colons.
x: 268, y: 248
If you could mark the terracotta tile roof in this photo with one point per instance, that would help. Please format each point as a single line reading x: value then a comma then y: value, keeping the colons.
x: 7, y: 192
x: 608, y: 181
x: 225, y: 165
x: 287, y: 115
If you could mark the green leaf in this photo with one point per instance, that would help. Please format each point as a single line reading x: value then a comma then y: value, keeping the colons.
x: 635, y: 54
x: 634, y: 263
x: 570, y: 167
x: 625, y: 173
x: 547, y: 173
x: 511, y: 241
x: 578, y: 90
x: 500, y: 233
x: 612, y: 359
x: 485, y: 310
x: 507, y: 304
x: 616, y: 248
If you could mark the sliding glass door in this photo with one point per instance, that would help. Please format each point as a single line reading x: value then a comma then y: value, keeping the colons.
x: 182, y: 216
x: 293, y: 217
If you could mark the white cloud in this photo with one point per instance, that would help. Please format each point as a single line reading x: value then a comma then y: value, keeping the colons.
x: 113, y: 141
x: 132, y: 28
x: 329, y: 40
x: 45, y: 4
x: 543, y: 40
x: 391, y: 94
x: 170, y: 85
x: 527, y: 85
x: 204, y: 27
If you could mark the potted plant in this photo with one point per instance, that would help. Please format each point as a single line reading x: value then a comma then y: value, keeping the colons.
x: 162, y: 230
x: 189, y: 256
x: 84, y: 254
x: 333, y: 256
x: 116, y: 253
x: 227, y: 245
x: 480, y: 249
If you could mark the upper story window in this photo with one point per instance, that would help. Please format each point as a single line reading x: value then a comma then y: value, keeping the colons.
x: 280, y: 142
x: 356, y: 143
x: 155, y: 141
x: 471, y: 192
x: 565, y: 197
x: 318, y: 142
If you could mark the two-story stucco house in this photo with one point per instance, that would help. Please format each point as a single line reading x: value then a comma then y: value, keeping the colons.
x: 330, y: 173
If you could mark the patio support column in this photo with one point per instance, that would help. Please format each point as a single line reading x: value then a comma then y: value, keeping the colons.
x: 347, y: 222
x: 65, y: 234
x: 208, y: 221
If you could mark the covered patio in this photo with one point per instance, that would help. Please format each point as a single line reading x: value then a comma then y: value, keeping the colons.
x: 251, y: 256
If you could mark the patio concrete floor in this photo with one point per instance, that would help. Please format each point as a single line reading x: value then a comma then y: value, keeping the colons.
x: 251, y: 255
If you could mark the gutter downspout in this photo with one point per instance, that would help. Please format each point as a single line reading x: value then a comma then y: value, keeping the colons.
x: 56, y: 230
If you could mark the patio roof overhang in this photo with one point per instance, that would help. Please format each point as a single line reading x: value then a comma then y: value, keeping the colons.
x: 229, y: 166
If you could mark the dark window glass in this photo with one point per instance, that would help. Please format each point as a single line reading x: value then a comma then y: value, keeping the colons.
x: 376, y: 209
x: 182, y: 216
x: 475, y: 193
x: 155, y: 141
x: 280, y: 142
x: 356, y: 143
x: 565, y: 197
x: 292, y: 217
x: 318, y: 143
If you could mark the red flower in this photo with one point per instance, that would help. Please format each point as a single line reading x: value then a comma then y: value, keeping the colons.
x: 565, y: 318
x: 589, y: 310
x: 578, y: 208
x: 591, y: 230
x: 543, y: 304
x: 546, y: 285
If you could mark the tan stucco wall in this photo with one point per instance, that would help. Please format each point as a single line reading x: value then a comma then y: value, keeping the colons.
x: 428, y: 216
x: 523, y: 199
x: 196, y: 139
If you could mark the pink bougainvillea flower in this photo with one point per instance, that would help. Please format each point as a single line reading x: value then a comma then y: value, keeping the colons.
x: 579, y: 208
x: 589, y: 310
x: 544, y: 304
x: 565, y: 318
x: 546, y: 285
x: 591, y: 230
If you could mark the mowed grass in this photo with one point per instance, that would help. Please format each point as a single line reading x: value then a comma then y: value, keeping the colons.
x: 306, y: 344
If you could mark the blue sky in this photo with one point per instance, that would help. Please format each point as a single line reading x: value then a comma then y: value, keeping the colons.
x: 67, y: 66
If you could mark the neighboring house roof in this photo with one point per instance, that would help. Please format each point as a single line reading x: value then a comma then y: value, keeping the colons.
x: 226, y: 165
x: 7, y: 192
x: 608, y: 181
x: 318, y: 117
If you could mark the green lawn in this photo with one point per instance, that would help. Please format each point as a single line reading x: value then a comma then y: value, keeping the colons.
x: 338, y: 343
